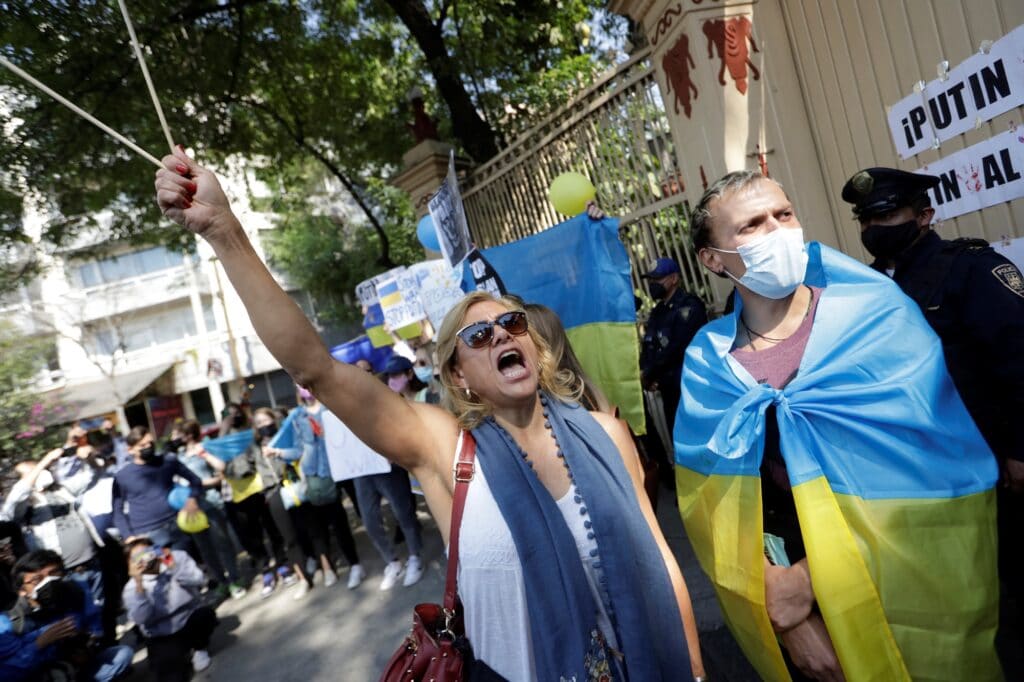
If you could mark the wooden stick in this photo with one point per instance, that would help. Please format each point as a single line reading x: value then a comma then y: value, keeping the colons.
x: 84, y: 114
x: 145, y: 74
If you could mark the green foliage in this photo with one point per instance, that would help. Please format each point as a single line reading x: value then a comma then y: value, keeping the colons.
x: 326, y: 254
x: 283, y: 81
x: 23, y: 416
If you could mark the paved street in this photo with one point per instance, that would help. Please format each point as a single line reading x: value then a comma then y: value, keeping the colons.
x: 338, y: 634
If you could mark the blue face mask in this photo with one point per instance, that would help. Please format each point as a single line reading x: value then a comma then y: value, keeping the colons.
x: 424, y: 374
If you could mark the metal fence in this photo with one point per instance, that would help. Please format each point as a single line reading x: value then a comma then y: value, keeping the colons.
x: 617, y: 134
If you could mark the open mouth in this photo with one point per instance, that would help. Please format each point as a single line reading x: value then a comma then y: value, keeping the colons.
x: 511, y: 364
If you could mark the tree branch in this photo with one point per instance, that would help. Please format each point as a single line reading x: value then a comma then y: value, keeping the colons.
x: 297, y: 136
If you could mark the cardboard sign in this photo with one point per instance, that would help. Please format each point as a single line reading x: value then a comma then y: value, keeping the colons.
x: 347, y: 456
x: 399, y: 300
x: 438, y: 287
x: 982, y: 175
x: 977, y: 90
x: 449, y: 217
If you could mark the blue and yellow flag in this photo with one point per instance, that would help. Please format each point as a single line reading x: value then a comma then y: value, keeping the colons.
x: 892, y: 481
x: 580, y: 270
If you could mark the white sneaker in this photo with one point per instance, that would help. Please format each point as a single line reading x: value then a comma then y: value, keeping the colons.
x: 330, y: 577
x: 301, y: 592
x: 413, y: 571
x: 355, y: 576
x: 392, y: 572
x: 200, y: 660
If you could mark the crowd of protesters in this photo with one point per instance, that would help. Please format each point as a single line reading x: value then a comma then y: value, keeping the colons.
x: 134, y: 531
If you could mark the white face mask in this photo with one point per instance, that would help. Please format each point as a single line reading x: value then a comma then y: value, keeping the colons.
x: 776, y: 263
x: 44, y: 480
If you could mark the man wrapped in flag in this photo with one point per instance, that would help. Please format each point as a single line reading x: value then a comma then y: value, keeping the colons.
x: 831, y: 481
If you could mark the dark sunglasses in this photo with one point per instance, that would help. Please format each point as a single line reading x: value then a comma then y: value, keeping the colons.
x: 479, y: 334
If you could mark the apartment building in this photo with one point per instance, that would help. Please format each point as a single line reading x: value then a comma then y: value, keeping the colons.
x: 146, y: 335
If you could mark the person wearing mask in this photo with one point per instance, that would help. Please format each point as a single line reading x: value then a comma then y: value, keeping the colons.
x: 257, y: 479
x: 54, y: 627
x: 324, y: 504
x: 215, y: 543
x: 672, y: 324
x: 423, y: 368
x: 140, y: 493
x: 821, y: 410
x: 394, y: 486
x: 234, y: 419
x: 162, y: 598
x: 973, y: 298
x: 557, y: 534
x: 51, y: 518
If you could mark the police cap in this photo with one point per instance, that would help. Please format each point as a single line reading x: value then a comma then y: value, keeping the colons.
x: 873, y: 191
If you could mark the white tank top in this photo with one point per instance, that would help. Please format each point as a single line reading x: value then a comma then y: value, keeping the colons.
x: 491, y: 582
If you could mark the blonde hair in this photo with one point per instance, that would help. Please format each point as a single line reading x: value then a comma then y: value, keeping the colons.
x: 547, y: 323
x: 467, y: 407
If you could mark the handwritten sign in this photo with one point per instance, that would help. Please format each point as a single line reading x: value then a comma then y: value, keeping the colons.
x: 982, y: 175
x: 347, y: 456
x: 976, y: 90
x: 438, y: 287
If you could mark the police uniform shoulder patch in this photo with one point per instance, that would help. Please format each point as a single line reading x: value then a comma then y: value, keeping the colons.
x: 1009, y: 276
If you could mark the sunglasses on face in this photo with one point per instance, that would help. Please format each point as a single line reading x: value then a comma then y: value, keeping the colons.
x: 479, y: 334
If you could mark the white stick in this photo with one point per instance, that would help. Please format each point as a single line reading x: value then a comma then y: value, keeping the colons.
x: 84, y: 114
x: 145, y: 74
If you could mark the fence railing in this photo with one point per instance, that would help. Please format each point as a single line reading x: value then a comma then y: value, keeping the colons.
x: 616, y: 133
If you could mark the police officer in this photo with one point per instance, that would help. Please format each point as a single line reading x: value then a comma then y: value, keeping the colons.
x: 675, y: 319
x: 974, y: 300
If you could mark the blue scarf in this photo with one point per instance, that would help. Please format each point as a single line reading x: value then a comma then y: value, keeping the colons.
x: 634, y: 582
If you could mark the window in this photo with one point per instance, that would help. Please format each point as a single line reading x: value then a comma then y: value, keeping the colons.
x: 146, y: 330
x: 127, y: 265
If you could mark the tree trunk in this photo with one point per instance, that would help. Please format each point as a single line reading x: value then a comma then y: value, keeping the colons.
x: 473, y: 131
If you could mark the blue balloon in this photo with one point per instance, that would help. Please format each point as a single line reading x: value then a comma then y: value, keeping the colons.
x: 178, y: 496
x: 427, y: 234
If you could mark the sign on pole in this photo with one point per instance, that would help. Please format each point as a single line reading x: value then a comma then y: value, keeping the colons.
x: 449, y: 216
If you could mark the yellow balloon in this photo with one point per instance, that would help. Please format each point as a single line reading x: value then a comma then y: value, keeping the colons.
x: 570, y: 193
x: 196, y: 523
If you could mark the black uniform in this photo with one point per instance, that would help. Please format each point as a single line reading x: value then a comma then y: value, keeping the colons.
x: 974, y: 300
x: 670, y: 328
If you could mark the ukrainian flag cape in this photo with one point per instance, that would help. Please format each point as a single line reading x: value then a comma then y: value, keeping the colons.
x: 892, y: 482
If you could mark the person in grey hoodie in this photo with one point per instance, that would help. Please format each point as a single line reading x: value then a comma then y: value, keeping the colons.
x: 162, y: 597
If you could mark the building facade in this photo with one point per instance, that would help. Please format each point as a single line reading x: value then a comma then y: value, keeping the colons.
x: 146, y: 335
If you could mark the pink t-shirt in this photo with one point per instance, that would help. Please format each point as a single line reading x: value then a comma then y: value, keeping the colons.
x: 776, y: 364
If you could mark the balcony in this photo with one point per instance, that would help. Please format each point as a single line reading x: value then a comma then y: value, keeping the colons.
x: 146, y: 291
x: 27, y: 321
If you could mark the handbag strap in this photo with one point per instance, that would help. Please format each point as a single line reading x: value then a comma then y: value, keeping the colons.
x: 463, y: 470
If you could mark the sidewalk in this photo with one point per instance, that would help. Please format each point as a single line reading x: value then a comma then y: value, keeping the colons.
x: 348, y: 635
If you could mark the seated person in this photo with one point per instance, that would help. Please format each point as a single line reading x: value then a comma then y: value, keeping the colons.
x: 54, y: 627
x: 162, y: 597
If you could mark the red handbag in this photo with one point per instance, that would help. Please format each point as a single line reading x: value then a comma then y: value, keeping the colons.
x: 436, y: 649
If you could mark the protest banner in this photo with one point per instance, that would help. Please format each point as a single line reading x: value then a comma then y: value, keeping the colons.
x: 980, y: 88
x: 982, y: 175
x: 438, y: 287
x: 449, y: 217
x: 399, y: 300
x: 347, y: 456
